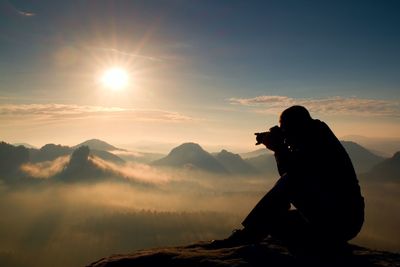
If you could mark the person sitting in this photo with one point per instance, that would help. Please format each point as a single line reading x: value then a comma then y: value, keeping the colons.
x: 316, y: 200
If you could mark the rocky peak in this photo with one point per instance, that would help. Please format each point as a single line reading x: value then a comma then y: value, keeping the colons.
x: 267, y: 253
x: 79, y: 156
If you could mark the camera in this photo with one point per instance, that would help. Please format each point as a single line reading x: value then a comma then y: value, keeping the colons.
x: 273, y: 138
x: 260, y: 137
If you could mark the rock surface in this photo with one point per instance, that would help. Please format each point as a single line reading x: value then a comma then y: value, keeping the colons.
x: 267, y: 253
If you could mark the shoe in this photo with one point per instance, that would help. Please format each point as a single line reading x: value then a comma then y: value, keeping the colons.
x: 239, y: 237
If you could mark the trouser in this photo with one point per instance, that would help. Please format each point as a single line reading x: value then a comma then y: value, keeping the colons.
x: 288, y: 226
x: 272, y: 216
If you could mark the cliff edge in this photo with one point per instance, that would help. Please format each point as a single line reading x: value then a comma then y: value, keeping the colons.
x: 267, y: 253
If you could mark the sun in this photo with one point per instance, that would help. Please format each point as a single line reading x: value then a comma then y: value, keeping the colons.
x: 115, y: 78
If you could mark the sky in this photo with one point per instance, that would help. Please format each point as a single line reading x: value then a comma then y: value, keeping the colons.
x: 211, y: 72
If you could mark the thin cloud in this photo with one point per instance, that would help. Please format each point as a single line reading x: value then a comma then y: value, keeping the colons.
x: 10, y: 7
x: 330, y: 105
x: 129, y: 54
x: 61, y: 111
x: 260, y: 100
x: 26, y: 14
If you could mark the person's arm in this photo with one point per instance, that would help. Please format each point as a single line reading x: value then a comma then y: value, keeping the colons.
x: 274, y: 141
x: 282, y: 158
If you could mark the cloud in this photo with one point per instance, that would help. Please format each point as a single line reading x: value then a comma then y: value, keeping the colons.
x: 131, y: 171
x: 127, y: 153
x: 124, y: 53
x: 61, y: 112
x: 45, y: 169
x: 329, y: 105
x: 260, y: 100
x: 8, y: 8
x: 134, y: 171
x: 26, y: 14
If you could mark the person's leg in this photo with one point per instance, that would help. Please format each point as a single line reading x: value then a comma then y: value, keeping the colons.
x: 288, y: 226
x: 274, y: 204
x: 256, y: 225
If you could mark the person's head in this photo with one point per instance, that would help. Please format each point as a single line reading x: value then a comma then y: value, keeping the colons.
x: 294, y: 122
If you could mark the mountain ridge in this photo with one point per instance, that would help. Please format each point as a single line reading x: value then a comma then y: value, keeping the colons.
x: 51, y: 152
x: 362, y: 158
x: 191, y: 155
x: 234, y: 163
x: 385, y: 171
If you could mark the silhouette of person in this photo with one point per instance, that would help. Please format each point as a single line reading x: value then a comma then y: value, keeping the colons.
x: 317, y: 199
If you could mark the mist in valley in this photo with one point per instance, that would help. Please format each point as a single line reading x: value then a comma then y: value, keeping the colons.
x: 79, y: 207
x: 382, y: 218
x: 71, y: 224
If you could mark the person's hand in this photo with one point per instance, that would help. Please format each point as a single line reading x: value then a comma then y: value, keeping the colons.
x: 274, y: 140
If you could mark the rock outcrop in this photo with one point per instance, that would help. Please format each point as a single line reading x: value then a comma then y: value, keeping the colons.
x: 267, y: 253
x: 80, y: 168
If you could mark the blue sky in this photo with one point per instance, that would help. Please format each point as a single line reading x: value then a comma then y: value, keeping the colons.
x: 205, y: 71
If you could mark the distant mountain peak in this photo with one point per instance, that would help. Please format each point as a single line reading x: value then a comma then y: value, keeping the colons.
x: 234, y: 163
x: 98, y: 144
x: 226, y: 154
x: 224, y: 151
x: 191, y: 154
x: 95, y: 140
x: 188, y: 150
x: 188, y: 145
x: 363, y: 159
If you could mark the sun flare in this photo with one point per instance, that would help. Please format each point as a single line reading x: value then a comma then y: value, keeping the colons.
x: 115, y: 78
